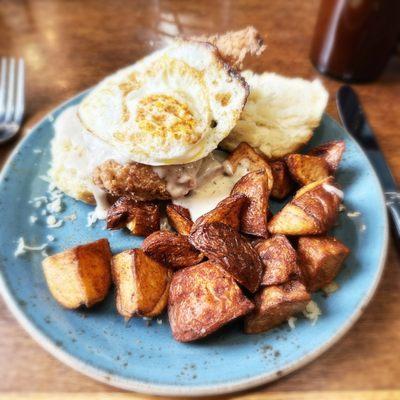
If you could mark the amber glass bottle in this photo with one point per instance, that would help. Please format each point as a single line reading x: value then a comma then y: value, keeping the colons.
x: 354, y: 39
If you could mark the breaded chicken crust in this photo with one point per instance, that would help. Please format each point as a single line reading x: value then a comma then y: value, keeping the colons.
x: 236, y: 45
x: 133, y: 179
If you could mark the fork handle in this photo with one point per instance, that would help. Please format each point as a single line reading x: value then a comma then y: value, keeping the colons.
x: 393, y: 205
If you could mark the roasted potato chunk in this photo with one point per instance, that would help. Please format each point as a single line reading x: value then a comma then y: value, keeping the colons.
x: 171, y: 249
x: 145, y: 220
x: 280, y: 260
x: 331, y: 152
x: 223, y: 245
x: 306, y: 169
x: 179, y: 218
x: 256, y: 186
x: 142, y: 284
x: 320, y: 259
x: 274, y: 305
x: 81, y: 275
x: 202, y: 299
x: 140, y: 217
x: 246, y: 156
x: 282, y: 184
x: 313, y: 210
x: 227, y: 211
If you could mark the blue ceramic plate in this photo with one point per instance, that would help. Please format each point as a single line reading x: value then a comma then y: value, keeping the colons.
x: 142, y: 356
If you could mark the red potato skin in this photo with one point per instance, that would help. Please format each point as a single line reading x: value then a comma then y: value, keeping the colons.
x: 181, y: 210
x: 202, y: 299
x: 245, y: 152
x: 280, y: 260
x: 282, y: 185
x: 274, y: 305
x: 223, y: 245
x: 306, y: 169
x: 256, y: 187
x: 227, y: 211
x: 332, y: 152
x: 320, y: 258
x: 171, y: 249
x: 146, y: 214
x: 179, y: 218
x: 316, y: 202
x: 312, y: 211
x: 148, y: 289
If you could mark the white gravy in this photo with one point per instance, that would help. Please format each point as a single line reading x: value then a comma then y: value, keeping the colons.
x: 181, y: 179
x: 205, y: 197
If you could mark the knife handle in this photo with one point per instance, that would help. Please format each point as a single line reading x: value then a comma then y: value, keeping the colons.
x: 393, y: 205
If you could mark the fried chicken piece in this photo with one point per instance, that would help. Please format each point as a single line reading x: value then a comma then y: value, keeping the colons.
x: 133, y: 179
x: 139, y: 180
x: 236, y: 45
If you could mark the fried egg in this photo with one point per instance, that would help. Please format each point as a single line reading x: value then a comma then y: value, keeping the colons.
x: 172, y: 107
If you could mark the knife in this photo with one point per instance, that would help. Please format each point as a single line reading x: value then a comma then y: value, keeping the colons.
x: 354, y: 120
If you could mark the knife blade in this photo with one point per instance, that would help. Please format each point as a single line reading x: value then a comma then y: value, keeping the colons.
x: 356, y: 123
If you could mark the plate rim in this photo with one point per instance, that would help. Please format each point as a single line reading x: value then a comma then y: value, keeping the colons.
x: 185, y: 390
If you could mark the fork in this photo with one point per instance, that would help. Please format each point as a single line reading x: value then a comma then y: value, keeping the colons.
x: 12, y: 97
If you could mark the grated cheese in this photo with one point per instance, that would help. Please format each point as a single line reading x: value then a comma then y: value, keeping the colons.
x: 292, y: 322
x: 52, y: 202
x: 38, y: 200
x: 71, y: 217
x: 353, y: 214
x: 92, y: 218
x: 23, y: 248
x: 52, y: 222
x: 55, y: 206
x: 312, y: 312
x: 330, y: 288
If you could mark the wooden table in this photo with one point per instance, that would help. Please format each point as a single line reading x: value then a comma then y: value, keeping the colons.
x: 70, y: 45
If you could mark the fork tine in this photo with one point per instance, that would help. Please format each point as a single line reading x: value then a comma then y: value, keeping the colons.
x: 10, y: 91
x: 20, y: 92
x: 3, y: 74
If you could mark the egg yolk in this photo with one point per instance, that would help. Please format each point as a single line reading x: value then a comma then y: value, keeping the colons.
x: 167, y: 118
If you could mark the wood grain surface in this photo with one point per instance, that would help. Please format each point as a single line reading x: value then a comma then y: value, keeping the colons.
x: 70, y: 45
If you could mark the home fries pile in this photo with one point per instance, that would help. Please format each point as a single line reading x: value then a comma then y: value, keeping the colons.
x: 234, y: 259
